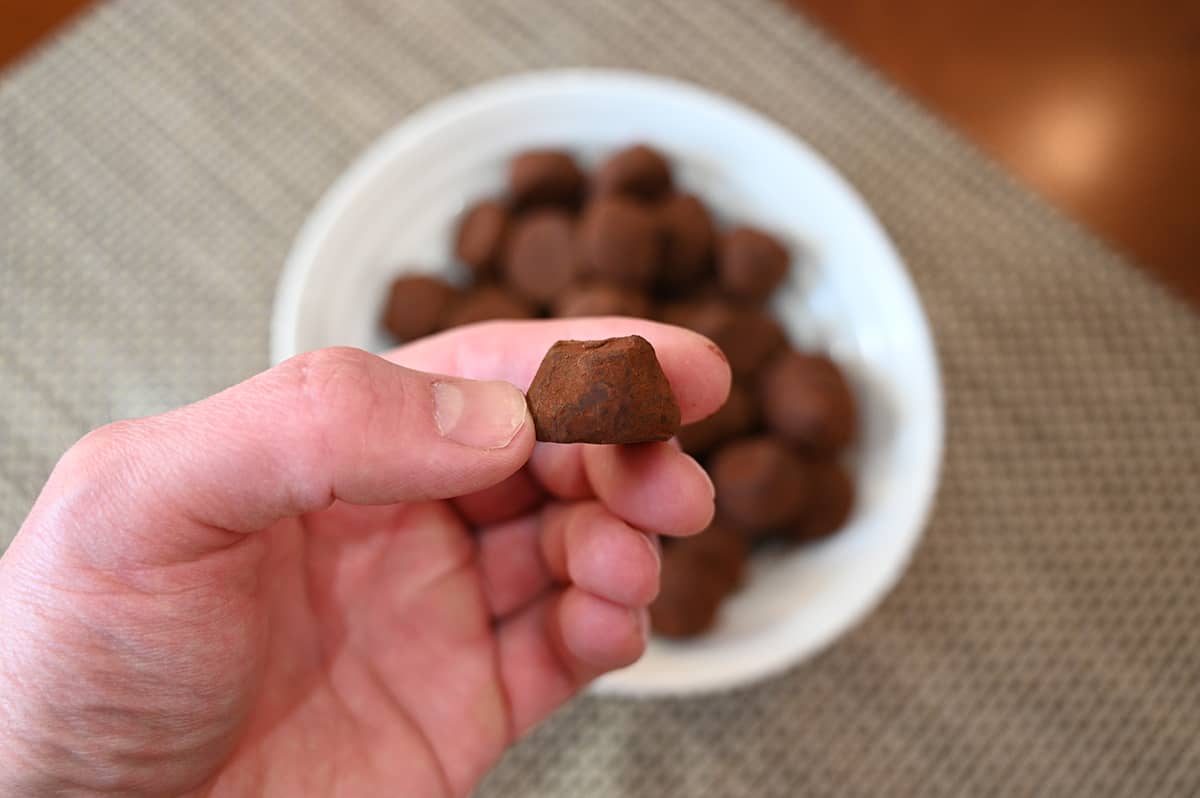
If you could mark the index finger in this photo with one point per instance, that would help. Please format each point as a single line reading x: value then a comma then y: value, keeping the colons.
x: 512, y: 350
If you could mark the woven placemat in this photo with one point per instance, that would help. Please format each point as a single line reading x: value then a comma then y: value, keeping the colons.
x: 157, y: 159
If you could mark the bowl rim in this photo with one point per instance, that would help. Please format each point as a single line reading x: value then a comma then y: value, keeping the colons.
x: 451, y: 109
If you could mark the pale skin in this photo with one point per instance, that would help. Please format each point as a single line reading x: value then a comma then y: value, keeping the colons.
x: 341, y: 577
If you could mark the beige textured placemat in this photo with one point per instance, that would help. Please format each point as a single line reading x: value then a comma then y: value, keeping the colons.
x: 156, y: 161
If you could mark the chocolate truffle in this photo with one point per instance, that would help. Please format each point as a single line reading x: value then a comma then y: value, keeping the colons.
x: 721, y: 548
x: 735, y: 418
x: 619, y: 242
x: 416, y: 306
x: 751, y: 264
x: 610, y: 391
x: 749, y: 337
x: 707, y: 315
x: 480, y: 238
x: 761, y: 484
x: 540, y: 259
x: 486, y: 303
x: 545, y: 177
x: 832, y: 502
x: 637, y: 172
x: 751, y: 340
x: 689, y: 595
x: 689, y: 239
x: 807, y: 400
x: 600, y: 299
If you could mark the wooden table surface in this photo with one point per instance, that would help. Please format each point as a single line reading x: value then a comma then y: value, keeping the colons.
x: 1093, y: 103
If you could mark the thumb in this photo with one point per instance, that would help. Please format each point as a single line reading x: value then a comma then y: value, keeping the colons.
x: 325, y: 425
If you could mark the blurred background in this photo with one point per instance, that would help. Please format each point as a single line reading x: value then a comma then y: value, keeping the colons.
x: 1093, y: 103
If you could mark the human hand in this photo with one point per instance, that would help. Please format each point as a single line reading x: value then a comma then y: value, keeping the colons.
x: 341, y: 576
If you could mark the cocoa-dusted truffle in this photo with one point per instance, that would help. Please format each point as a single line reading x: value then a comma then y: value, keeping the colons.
x: 689, y: 595
x: 751, y: 264
x: 619, y: 242
x: 832, y: 502
x: 545, y: 177
x: 637, y: 171
x: 807, y: 400
x: 736, y: 417
x: 480, y: 237
x: 708, y: 314
x: 540, y: 257
x: 600, y: 299
x: 749, y: 337
x: 417, y: 305
x: 689, y: 239
x: 750, y: 340
x: 721, y: 548
x: 761, y: 484
x: 610, y: 391
x: 486, y: 303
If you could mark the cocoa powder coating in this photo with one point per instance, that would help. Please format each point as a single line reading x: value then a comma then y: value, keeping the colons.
x: 610, y: 391
x: 545, y: 177
x: 599, y: 299
x: 688, y: 241
x: 620, y: 242
x: 539, y: 257
x: 737, y: 417
x: 638, y: 171
x: 752, y: 264
x: 480, y: 238
x: 807, y: 400
x: 761, y: 484
x: 486, y: 303
x: 417, y: 305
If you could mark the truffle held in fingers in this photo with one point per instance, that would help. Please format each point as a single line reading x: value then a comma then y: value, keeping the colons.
x: 610, y: 391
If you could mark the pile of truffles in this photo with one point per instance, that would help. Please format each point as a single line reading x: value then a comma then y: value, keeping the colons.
x: 627, y: 243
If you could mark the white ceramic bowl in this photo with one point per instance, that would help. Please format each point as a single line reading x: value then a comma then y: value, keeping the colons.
x: 848, y: 294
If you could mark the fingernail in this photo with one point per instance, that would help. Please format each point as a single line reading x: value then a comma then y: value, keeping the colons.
x: 482, y: 415
x: 712, y: 489
x: 655, y: 547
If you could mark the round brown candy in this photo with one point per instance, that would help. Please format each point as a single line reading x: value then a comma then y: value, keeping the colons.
x: 707, y: 315
x: 480, y: 238
x: 806, y: 399
x: 735, y: 418
x: 689, y: 239
x: 540, y: 257
x: 416, y: 306
x: 832, y: 502
x: 600, y: 299
x: 487, y: 303
x: 638, y: 171
x: 545, y: 177
x: 749, y: 337
x: 751, y: 264
x: 609, y: 391
x: 721, y: 548
x: 750, y: 340
x: 761, y: 484
x: 619, y: 242
x: 689, y: 595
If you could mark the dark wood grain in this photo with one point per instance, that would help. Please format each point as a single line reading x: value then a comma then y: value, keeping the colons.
x: 26, y: 23
x: 1095, y: 103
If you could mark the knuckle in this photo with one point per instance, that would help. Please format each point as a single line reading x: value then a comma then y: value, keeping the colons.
x: 102, y: 449
x: 335, y: 382
x: 339, y: 395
